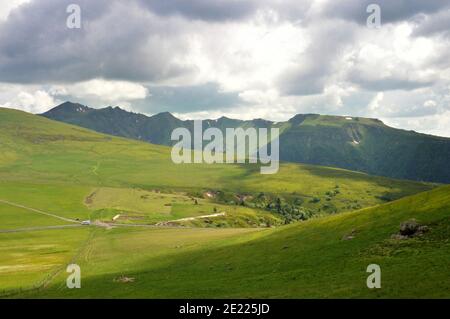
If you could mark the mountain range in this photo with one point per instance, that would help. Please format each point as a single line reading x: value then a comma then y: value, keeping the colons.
x: 355, y: 143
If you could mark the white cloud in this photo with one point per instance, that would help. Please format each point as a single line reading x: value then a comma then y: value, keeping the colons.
x: 29, y: 99
x: 102, y: 91
x: 438, y: 124
x: 8, y: 5
x: 390, y: 58
x: 38, y: 99
x: 248, y: 55
x: 375, y: 103
x: 430, y: 103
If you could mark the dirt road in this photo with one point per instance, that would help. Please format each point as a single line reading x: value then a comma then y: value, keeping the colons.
x: 39, y: 211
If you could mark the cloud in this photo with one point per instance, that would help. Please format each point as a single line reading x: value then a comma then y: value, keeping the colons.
x: 309, y: 73
x: 101, y: 90
x: 187, y: 99
x: 95, y: 93
x: 430, y: 103
x: 118, y: 41
x: 214, y: 11
x: 392, y: 59
x: 375, y: 82
x: 434, y: 25
x: 391, y: 11
x: 8, y: 6
x: 402, y: 104
x: 30, y: 99
x: 437, y: 124
x: 375, y: 103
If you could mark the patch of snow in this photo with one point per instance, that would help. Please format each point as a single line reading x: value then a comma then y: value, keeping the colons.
x: 349, y: 118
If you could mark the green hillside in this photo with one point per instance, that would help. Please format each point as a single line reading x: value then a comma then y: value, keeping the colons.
x: 355, y: 143
x: 306, y: 260
x: 47, y: 153
x: 54, y: 175
x: 365, y: 145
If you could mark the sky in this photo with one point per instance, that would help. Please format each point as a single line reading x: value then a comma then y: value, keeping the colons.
x: 248, y: 59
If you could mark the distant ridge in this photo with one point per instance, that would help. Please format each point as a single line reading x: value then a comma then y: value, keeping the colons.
x: 356, y: 143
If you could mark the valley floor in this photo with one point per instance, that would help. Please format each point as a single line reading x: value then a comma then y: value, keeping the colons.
x: 304, y: 260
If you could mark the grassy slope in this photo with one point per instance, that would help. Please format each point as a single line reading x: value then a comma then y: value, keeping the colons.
x: 48, y: 154
x: 145, y: 207
x: 29, y: 259
x: 379, y: 149
x: 15, y: 217
x: 308, y: 259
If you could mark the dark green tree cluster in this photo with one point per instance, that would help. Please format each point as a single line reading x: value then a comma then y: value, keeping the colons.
x: 290, y: 211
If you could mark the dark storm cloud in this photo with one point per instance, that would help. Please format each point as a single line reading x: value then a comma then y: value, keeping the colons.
x: 133, y: 40
x: 187, y: 99
x: 146, y: 41
x: 391, y: 10
x: 118, y: 40
x: 389, y: 83
x: 331, y: 38
x: 315, y: 65
x: 209, y: 10
x: 437, y: 24
x: 306, y: 81
x: 228, y: 10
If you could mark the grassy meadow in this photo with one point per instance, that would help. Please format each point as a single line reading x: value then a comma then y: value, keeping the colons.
x: 302, y: 260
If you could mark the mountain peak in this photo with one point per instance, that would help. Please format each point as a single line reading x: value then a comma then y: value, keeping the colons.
x: 165, y: 115
x: 223, y: 120
x: 70, y: 105
x: 299, y: 118
x: 67, y: 108
x: 115, y: 109
x: 319, y: 119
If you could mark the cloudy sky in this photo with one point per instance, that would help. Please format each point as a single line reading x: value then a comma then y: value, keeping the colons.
x: 245, y: 59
